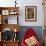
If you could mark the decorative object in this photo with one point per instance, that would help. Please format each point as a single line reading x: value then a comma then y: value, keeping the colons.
x: 30, y: 13
x: 15, y: 3
x: 31, y: 41
x: 15, y: 30
x: 5, y: 12
x: 6, y: 21
x: 7, y: 34
x: 30, y: 38
x: 13, y: 12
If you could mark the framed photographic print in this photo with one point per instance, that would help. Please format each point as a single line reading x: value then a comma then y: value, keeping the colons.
x: 5, y: 12
x: 30, y: 13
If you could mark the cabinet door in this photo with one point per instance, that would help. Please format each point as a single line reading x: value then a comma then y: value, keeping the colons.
x: 0, y: 19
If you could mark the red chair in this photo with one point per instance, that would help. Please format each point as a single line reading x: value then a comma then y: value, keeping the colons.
x: 29, y: 33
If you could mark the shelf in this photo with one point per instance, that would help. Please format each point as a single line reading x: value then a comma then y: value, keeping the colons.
x: 11, y: 41
x: 10, y: 26
x: 10, y: 19
x: 6, y: 12
x: 9, y: 22
x: 9, y: 10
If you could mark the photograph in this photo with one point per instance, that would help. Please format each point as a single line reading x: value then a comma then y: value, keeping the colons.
x: 30, y: 13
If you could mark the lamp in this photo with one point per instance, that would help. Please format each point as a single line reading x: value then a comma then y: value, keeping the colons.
x: 15, y: 3
x: 15, y: 34
x: 15, y: 30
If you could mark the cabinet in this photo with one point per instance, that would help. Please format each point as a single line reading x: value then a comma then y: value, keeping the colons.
x: 9, y: 26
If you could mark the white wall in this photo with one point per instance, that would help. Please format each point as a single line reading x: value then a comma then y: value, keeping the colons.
x: 37, y: 3
x: 22, y: 4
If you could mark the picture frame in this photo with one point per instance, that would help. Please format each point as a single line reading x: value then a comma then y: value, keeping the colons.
x: 30, y: 13
x: 5, y: 12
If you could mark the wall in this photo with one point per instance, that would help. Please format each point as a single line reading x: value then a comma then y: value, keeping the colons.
x: 22, y: 4
x: 39, y: 21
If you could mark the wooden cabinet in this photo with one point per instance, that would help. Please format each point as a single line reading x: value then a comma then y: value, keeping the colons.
x: 9, y: 26
x: 10, y: 43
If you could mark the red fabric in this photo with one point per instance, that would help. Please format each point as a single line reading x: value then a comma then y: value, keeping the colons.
x: 29, y: 33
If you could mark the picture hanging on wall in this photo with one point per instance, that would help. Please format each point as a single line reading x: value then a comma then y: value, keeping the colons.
x: 30, y: 13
